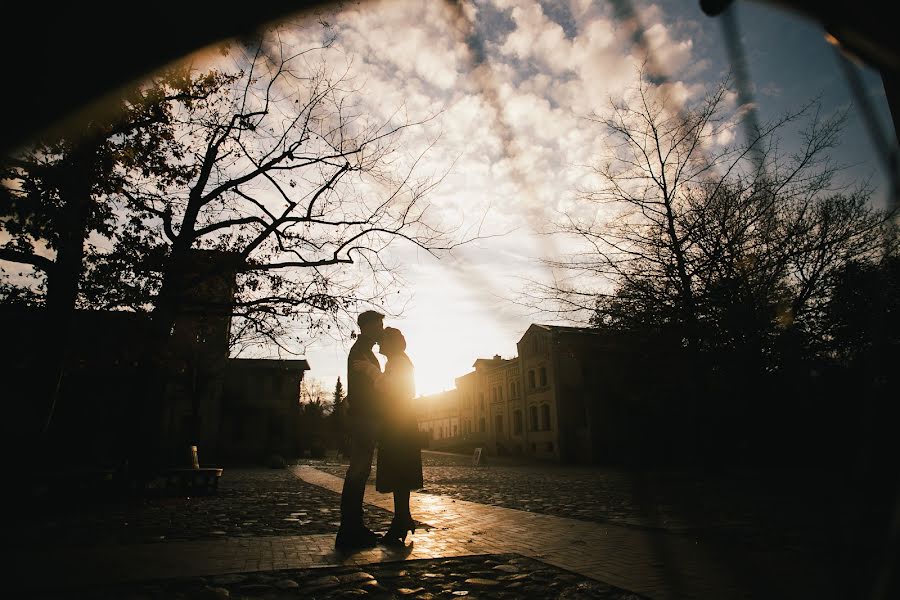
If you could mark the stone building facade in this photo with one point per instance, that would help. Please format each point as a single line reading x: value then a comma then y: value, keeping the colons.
x: 507, y: 405
x: 565, y: 397
x: 441, y: 417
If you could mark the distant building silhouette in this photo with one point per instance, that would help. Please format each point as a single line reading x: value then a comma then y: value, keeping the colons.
x: 572, y: 395
x: 234, y: 410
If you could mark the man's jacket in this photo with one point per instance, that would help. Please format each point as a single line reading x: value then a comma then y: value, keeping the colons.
x: 361, y: 396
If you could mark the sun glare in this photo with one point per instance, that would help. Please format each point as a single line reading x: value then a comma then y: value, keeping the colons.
x: 433, y: 377
x: 444, y: 349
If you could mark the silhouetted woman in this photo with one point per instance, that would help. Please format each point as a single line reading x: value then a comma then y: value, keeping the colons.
x: 399, y: 451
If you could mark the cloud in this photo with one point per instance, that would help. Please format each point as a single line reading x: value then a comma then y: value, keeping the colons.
x: 510, y: 83
x: 771, y: 89
x: 413, y: 39
x: 671, y: 55
x: 538, y: 38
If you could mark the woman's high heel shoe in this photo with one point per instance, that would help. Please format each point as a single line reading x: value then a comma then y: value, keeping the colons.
x: 396, y: 533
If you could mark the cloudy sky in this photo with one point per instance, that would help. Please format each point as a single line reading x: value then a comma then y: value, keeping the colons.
x: 512, y: 82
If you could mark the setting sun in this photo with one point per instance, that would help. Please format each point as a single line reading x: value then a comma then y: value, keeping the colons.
x: 446, y: 331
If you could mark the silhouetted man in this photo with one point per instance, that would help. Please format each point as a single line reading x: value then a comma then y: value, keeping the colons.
x: 363, y: 421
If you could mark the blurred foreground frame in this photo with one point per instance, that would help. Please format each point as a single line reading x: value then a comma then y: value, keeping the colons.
x: 65, y: 60
x: 62, y: 61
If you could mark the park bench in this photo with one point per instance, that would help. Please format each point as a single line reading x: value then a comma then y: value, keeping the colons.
x: 199, y: 481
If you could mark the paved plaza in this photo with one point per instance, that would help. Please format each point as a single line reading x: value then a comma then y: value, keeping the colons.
x: 270, y: 533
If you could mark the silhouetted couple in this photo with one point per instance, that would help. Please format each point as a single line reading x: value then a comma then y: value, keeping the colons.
x: 380, y: 413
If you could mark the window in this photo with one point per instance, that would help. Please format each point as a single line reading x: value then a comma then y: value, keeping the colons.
x: 481, y: 424
x: 512, y: 389
x: 530, y: 380
x: 454, y: 430
x: 549, y: 446
x: 532, y: 418
x: 498, y: 423
x: 517, y: 422
x: 500, y: 393
x: 545, y: 417
x: 481, y: 400
x: 543, y: 376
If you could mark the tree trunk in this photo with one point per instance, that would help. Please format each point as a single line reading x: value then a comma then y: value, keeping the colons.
x: 64, y: 277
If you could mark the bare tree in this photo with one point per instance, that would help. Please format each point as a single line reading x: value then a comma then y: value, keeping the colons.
x: 301, y: 189
x: 721, y: 242
x: 313, y: 392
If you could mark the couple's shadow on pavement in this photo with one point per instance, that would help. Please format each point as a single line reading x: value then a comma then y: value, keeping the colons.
x: 386, y: 552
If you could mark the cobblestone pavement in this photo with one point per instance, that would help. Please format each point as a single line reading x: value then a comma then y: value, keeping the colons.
x: 764, y: 510
x: 270, y: 502
x: 249, y: 503
x: 654, y: 563
x: 500, y: 576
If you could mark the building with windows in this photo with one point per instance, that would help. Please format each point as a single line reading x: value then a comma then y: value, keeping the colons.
x: 510, y: 406
x: 440, y: 417
x: 572, y: 394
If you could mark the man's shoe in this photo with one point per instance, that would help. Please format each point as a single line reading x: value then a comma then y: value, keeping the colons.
x: 367, y: 533
x: 359, y: 537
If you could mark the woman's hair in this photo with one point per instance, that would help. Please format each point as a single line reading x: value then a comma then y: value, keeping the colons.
x: 392, y: 339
